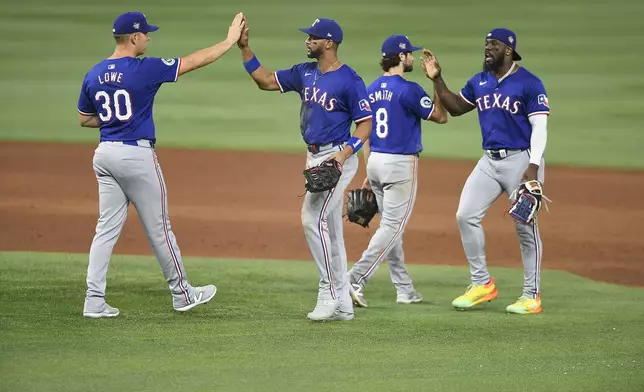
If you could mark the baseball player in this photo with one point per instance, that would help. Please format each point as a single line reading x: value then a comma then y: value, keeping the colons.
x: 513, y: 109
x: 117, y: 96
x: 399, y: 106
x: 333, y: 96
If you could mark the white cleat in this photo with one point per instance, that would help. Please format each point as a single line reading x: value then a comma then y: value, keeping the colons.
x: 108, y: 311
x: 341, y: 316
x: 201, y: 296
x: 409, y: 298
x: 355, y: 290
x: 325, y: 310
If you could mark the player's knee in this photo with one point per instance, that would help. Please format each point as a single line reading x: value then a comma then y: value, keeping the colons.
x: 391, y: 224
x: 464, y: 217
x: 310, y: 222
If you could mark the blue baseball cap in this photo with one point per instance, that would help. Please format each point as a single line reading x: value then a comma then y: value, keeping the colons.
x: 506, y: 36
x: 396, y: 44
x: 132, y: 22
x: 325, y: 28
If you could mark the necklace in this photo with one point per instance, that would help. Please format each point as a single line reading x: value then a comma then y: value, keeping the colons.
x: 507, y: 73
x: 319, y: 75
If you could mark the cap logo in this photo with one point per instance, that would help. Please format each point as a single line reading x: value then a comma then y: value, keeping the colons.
x: 329, y: 35
x: 402, y: 45
x: 511, y: 39
x: 136, y: 25
x: 316, y: 22
x: 489, y: 34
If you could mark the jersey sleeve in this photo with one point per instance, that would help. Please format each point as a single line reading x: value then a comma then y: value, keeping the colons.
x: 417, y: 101
x: 159, y: 70
x: 85, y: 103
x: 467, y: 93
x: 289, y: 79
x: 537, y: 99
x: 358, y: 100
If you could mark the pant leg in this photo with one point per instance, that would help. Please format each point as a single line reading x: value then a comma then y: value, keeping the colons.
x: 361, y: 266
x: 145, y: 186
x: 479, y: 192
x: 317, y: 210
x: 398, y: 271
x: 398, y: 177
x: 113, y: 205
x: 339, y: 258
x: 511, y: 170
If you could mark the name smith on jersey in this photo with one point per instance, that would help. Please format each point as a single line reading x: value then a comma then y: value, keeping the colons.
x: 381, y: 95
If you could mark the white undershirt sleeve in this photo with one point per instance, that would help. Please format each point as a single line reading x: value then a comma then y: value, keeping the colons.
x: 539, y: 137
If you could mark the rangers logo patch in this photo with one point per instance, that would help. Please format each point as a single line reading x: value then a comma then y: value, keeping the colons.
x: 543, y: 100
x: 364, y: 105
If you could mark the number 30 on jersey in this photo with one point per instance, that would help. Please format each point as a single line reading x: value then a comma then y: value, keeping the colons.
x: 119, y: 105
x: 382, y: 127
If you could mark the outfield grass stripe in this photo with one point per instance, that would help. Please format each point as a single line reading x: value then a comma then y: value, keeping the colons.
x: 254, y: 335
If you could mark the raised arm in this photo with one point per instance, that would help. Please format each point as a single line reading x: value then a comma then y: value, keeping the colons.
x: 264, y: 78
x: 207, y: 56
x: 454, y: 103
x: 439, y: 115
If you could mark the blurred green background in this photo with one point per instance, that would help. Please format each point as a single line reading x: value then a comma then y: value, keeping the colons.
x: 585, y: 51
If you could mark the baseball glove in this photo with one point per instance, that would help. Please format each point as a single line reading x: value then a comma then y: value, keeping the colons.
x: 362, y: 206
x: 323, y: 177
x: 527, y: 202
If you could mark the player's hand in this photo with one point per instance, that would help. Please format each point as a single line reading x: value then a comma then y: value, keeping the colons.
x: 431, y: 68
x: 242, y: 42
x: 243, y: 39
x: 236, y: 28
x: 366, y: 184
x: 530, y: 173
x: 340, y: 156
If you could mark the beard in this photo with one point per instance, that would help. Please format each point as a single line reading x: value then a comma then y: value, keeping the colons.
x: 408, y: 67
x: 496, y: 64
x: 314, y: 54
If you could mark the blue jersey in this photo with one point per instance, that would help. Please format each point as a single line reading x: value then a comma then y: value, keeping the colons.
x: 504, y: 107
x: 399, y: 106
x: 120, y: 92
x: 330, y: 101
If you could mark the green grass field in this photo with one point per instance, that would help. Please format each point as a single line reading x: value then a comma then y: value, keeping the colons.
x: 254, y: 336
x: 585, y: 52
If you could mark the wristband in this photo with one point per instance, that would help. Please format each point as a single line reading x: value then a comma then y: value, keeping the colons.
x: 355, y: 144
x: 252, y: 64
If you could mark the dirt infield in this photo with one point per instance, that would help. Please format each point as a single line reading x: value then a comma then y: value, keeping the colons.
x: 48, y: 202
